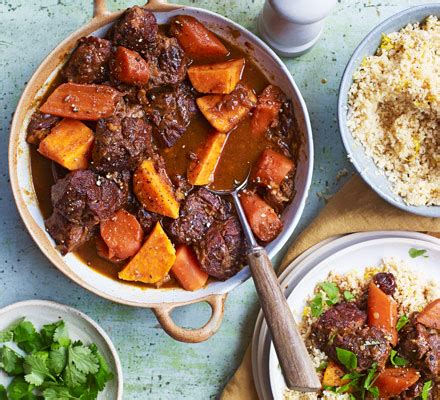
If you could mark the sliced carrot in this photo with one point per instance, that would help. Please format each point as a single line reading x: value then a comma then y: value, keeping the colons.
x: 187, y: 270
x: 69, y: 143
x: 197, y: 41
x: 271, y: 168
x: 123, y: 235
x: 382, y: 312
x: 220, y: 78
x: 85, y: 102
x: 267, y: 111
x: 103, y: 250
x: 262, y: 218
x: 201, y: 170
x: 129, y: 67
x: 430, y: 316
x: 393, y: 381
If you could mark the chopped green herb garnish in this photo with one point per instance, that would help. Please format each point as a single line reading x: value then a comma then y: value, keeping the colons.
x: 427, y: 386
x: 414, y: 253
x: 322, y: 366
x: 348, y: 295
x: 316, y: 305
x: 396, y: 360
x: 55, y: 368
x: 403, y: 320
x: 347, y: 358
x: 332, y: 292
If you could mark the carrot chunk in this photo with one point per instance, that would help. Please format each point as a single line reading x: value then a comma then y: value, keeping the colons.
x: 393, y: 381
x: 262, y: 218
x: 333, y: 375
x: 103, y: 250
x: 382, y: 312
x: 69, y: 143
x: 129, y: 67
x: 268, y: 109
x: 197, y: 41
x: 430, y: 316
x: 224, y: 112
x: 154, y: 190
x: 122, y: 234
x: 153, y: 261
x: 220, y: 78
x: 187, y: 270
x: 85, y: 102
x: 201, y: 170
x: 271, y: 168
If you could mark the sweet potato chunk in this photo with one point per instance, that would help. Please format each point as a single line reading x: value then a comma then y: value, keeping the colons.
x: 224, y: 112
x: 153, y: 261
x: 129, y: 67
x: 220, y: 78
x: 69, y: 143
x: 85, y: 102
x: 187, y: 270
x: 154, y: 190
x: 267, y: 110
x: 201, y: 170
x: 271, y: 168
x: 197, y: 41
x: 333, y: 375
x: 261, y: 217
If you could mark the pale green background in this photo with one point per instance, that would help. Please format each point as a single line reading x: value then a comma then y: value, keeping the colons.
x: 154, y: 365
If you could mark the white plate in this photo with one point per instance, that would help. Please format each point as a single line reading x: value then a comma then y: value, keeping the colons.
x: 80, y: 327
x: 289, y: 278
x: 355, y: 258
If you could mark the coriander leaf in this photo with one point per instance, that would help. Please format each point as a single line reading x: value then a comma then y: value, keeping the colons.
x: 36, y: 369
x: 347, y: 358
x: 369, y: 379
x: 57, y: 393
x: 3, y: 395
x: 374, y: 391
x: 427, y: 386
x: 332, y: 292
x: 322, y: 366
x: 403, y: 320
x: 414, y: 253
x: 90, y: 394
x: 104, y: 374
x: 47, y: 332
x: 73, y: 377
x: 27, y: 337
x: 19, y: 389
x: 10, y: 361
x: 61, y: 335
x: 352, y: 397
x: 83, y: 359
x: 6, y: 336
x: 57, y: 359
x: 396, y: 360
x: 348, y: 295
x: 316, y: 305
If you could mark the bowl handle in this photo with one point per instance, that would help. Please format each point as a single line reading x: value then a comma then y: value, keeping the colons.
x: 163, y: 315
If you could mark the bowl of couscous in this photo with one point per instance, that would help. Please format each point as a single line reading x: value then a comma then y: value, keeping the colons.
x: 389, y: 109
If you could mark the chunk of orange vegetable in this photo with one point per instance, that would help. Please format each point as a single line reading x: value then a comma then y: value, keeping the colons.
x: 201, y: 170
x: 69, y: 144
x: 85, y: 102
x: 220, y: 78
x: 267, y: 111
x: 187, y: 270
x: 271, y: 168
x: 382, y: 312
x: 262, y: 218
x: 197, y: 41
x: 224, y: 112
x: 154, y: 190
x: 393, y: 381
x: 103, y: 250
x: 333, y: 375
x: 430, y: 316
x: 153, y: 261
x: 129, y: 67
x: 122, y: 233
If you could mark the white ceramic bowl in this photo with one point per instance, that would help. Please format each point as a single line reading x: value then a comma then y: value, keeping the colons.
x: 162, y: 301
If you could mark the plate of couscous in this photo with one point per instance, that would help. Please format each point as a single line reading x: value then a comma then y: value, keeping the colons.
x: 370, y: 318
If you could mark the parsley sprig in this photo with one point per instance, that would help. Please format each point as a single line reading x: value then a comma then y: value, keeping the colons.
x: 328, y: 295
x: 54, y: 368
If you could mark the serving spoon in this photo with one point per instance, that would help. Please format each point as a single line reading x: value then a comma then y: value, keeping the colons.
x: 294, y: 359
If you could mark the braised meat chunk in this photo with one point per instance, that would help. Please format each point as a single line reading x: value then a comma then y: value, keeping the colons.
x: 40, y: 126
x: 121, y: 144
x: 137, y: 30
x: 170, y: 111
x: 89, y: 61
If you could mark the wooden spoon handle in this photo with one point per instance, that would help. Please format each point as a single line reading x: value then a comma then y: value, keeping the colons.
x: 294, y: 359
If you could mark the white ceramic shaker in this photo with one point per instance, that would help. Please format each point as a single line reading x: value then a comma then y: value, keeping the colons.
x: 292, y: 27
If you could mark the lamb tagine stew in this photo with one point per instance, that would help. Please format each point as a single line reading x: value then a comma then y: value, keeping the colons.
x: 139, y: 126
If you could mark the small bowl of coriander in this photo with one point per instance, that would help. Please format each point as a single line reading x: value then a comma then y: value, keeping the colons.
x: 50, y: 351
